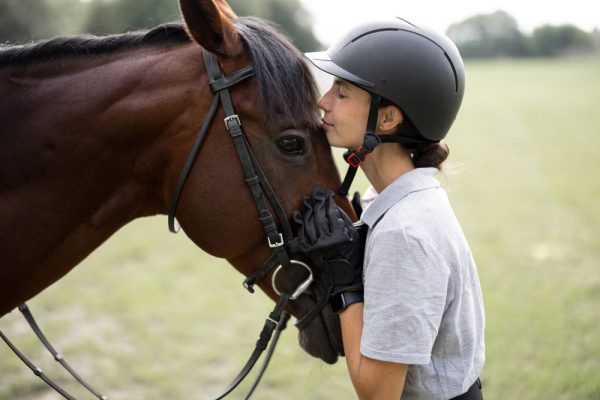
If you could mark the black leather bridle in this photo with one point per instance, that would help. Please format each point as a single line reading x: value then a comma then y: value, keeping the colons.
x: 260, y: 188
x: 263, y: 196
x: 265, y: 200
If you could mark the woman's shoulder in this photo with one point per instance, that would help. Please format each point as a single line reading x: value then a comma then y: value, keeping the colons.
x: 418, y: 207
x: 423, y: 216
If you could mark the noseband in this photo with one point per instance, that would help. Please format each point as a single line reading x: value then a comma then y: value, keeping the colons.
x: 265, y: 199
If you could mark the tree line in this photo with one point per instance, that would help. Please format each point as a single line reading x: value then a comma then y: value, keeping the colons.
x: 480, y: 36
x: 498, y: 35
x: 24, y: 21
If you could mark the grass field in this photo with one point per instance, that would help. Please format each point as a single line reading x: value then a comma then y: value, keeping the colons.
x: 149, y: 316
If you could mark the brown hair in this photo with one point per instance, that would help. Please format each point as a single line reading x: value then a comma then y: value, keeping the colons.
x: 429, y: 154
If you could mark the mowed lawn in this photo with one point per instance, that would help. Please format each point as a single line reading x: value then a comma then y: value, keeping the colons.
x: 149, y: 316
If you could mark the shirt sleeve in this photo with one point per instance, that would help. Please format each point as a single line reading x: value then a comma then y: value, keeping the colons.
x: 406, y: 286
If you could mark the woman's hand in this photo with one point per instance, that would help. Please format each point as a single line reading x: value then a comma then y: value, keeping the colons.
x: 331, y: 242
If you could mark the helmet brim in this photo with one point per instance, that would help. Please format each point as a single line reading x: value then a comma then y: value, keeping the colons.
x: 321, y: 60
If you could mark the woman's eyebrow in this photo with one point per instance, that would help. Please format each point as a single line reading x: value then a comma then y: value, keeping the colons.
x: 340, y: 82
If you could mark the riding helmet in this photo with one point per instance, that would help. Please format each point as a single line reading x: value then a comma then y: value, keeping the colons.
x: 418, y: 70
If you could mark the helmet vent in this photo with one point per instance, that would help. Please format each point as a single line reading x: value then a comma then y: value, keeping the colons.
x: 371, y: 32
x: 453, y: 71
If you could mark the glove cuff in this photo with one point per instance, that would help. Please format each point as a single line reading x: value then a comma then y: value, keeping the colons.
x: 340, y: 301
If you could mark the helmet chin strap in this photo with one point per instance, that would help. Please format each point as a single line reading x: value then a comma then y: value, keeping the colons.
x: 355, y: 157
x: 371, y: 140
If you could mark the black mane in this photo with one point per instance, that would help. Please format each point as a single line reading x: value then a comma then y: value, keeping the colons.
x: 285, y: 81
x: 89, y: 45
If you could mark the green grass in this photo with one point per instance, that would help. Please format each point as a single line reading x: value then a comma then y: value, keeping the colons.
x: 528, y: 136
x: 150, y: 316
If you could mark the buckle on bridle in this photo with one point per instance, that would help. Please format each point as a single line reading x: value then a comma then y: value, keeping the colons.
x: 233, y: 117
x: 278, y: 243
x: 301, y: 288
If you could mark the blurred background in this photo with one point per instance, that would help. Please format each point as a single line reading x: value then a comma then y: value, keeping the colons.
x: 149, y: 315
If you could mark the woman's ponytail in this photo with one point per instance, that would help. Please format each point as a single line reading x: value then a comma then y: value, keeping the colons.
x: 429, y: 155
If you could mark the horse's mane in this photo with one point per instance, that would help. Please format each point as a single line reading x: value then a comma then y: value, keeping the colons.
x: 286, y: 83
x: 89, y: 45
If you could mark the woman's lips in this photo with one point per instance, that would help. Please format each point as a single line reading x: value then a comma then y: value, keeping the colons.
x: 325, y: 124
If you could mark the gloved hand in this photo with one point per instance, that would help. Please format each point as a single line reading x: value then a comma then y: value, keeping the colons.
x: 329, y: 239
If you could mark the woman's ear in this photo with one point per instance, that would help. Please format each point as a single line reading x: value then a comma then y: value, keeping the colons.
x: 390, y: 117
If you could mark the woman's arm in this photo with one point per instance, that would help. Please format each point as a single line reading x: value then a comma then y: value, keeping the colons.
x: 372, y: 379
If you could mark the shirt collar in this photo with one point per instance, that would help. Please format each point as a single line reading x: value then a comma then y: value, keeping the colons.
x: 412, y: 181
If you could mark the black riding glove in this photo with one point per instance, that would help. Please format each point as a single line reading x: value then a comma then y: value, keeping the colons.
x: 329, y: 239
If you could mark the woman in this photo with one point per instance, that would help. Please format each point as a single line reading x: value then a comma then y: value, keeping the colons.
x: 419, y: 332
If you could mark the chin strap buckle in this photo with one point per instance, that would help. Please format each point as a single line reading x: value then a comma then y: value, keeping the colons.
x: 356, y: 157
x: 353, y: 158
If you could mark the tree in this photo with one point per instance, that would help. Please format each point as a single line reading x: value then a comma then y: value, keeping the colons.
x: 290, y: 15
x: 550, y: 41
x: 489, y: 35
x: 595, y: 36
x: 119, y: 16
x: 24, y: 20
x: 116, y: 16
x: 28, y: 20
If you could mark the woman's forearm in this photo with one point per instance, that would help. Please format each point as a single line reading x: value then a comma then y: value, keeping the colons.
x: 372, y: 379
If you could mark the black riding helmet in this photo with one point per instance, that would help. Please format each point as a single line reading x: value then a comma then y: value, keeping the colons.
x: 417, y: 69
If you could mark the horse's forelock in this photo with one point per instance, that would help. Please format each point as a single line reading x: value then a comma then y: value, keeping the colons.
x: 287, y: 87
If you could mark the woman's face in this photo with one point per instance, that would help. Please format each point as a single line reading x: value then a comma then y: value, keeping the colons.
x: 346, y: 111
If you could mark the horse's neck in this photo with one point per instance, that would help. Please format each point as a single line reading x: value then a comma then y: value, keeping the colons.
x: 83, y: 152
x: 104, y: 118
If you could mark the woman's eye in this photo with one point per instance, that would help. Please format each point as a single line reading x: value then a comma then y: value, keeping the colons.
x: 292, y: 145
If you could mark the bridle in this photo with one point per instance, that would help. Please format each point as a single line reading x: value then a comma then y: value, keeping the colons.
x: 260, y: 188
x: 265, y: 199
x: 263, y: 196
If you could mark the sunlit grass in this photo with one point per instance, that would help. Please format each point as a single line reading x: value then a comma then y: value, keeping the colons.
x: 150, y: 316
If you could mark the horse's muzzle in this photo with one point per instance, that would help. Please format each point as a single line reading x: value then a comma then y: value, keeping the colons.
x: 321, y: 337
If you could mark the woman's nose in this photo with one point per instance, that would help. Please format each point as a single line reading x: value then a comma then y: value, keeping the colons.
x: 322, y: 103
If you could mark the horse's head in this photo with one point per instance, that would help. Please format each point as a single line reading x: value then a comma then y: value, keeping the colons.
x: 278, y: 112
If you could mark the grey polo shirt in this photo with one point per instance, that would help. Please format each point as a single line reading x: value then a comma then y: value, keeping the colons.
x: 423, y: 304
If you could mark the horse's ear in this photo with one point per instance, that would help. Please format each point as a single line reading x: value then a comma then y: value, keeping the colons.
x: 209, y: 23
x: 226, y: 9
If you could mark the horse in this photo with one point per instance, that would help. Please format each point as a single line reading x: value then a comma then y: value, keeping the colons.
x: 95, y: 131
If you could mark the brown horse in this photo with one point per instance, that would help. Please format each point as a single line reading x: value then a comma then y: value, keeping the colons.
x: 94, y: 133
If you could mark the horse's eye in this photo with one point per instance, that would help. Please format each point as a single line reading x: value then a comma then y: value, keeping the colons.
x: 292, y: 145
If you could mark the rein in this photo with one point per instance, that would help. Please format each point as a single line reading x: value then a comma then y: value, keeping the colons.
x: 265, y: 199
x: 57, y: 356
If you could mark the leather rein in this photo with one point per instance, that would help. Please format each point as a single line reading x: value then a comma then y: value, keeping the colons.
x: 265, y: 199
